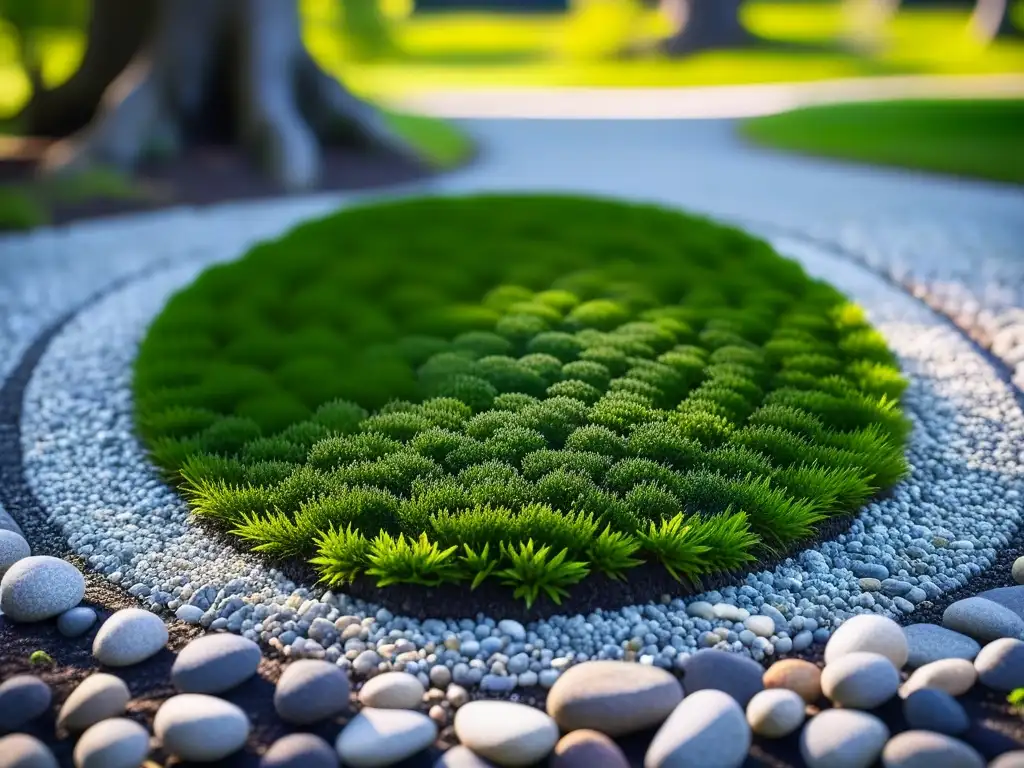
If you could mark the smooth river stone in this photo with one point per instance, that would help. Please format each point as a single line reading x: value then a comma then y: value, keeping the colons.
x: 506, y: 733
x: 842, y: 738
x: 860, y: 680
x: 982, y: 619
x: 1008, y: 597
x: 869, y: 633
x: 463, y: 757
x: 40, y: 587
x: 194, y: 726
x: 1000, y: 664
x: 613, y: 697
x: 310, y: 690
x: 215, y: 663
x: 775, y: 713
x: 587, y: 749
x: 76, y: 622
x: 930, y: 642
x: 392, y: 690
x: 115, y: 743
x: 13, y: 548
x: 300, y: 750
x: 707, y: 730
x: 930, y: 709
x: 739, y: 676
x: 96, y: 698
x: 23, y: 698
x: 925, y: 749
x: 128, y: 637
x: 796, y: 675
x: 954, y: 676
x: 379, y: 737
x: 19, y: 750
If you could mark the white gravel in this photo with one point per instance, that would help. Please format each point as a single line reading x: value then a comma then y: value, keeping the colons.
x: 938, y: 529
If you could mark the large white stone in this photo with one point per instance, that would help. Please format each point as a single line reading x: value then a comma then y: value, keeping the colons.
x: 392, y: 690
x: 775, y: 712
x: 860, y: 680
x: 215, y: 663
x: 842, y: 738
x: 194, y: 726
x: 954, y: 676
x: 13, y: 548
x: 116, y: 743
x: 23, y: 751
x: 40, y: 587
x: 507, y: 733
x: 707, y: 730
x: 96, y: 698
x: 379, y: 737
x: 871, y: 633
x: 129, y: 636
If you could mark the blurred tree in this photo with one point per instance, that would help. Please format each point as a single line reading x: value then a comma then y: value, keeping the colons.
x: 707, y: 24
x: 158, y: 74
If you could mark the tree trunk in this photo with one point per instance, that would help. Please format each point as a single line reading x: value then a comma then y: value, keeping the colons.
x: 992, y: 19
x: 233, y: 70
x: 709, y: 24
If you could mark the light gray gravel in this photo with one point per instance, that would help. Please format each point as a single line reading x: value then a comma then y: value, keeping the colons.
x: 944, y: 525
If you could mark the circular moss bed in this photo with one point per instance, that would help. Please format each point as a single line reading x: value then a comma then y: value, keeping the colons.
x: 519, y: 394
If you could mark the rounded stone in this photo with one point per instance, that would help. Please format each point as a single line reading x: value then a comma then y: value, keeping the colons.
x: 1000, y: 664
x: 842, y: 738
x: 982, y: 619
x: 930, y: 709
x: 1017, y: 571
x: 930, y: 642
x: 707, y: 730
x: 613, y: 697
x: 310, y: 690
x: 868, y: 633
x: 954, y: 676
x: 775, y: 713
x: 194, y: 726
x: 19, y: 750
x: 96, y: 698
x: 926, y: 749
x: 40, y: 587
x: 115, y: 743
x: 13, y: 548
x: 1012, y: 759
x: 710, y: 669
x: 587, y: 749
x: 215, y: 663
x: 23, y: 698
x: 300, y: 750
x: 128, y: 637
x: 392, y: 690
x: 506, y: 733
x: 462, y: 757
x: 762, y: 626
x: 860, y: 680
x: 76, y: 622
x: 379, y: 737
x: 796, y: 675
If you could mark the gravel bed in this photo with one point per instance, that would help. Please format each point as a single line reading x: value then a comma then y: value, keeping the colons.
x: 931, y: 535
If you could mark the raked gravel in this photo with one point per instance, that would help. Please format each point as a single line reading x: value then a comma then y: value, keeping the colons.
x: 935, y: 531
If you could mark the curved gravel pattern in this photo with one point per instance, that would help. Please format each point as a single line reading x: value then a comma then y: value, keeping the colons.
x: 935, y: 531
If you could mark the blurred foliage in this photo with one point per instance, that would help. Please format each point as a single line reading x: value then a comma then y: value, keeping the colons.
x: 32, y: 21
x: 980, y: 139
x: 601, y: 29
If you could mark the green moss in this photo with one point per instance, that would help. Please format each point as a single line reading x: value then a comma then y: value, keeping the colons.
x: 513, y: 408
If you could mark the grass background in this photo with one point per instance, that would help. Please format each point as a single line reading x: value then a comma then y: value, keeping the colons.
x: 981, y: 139
x: 523, y: 389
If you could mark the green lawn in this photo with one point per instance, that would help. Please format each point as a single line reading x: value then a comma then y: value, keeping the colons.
x: 982, y: 139
x: 525, y: 390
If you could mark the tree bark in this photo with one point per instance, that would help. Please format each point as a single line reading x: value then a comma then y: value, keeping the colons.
x: 992, y: 19
x: 709, y: 24
x: 218, y: 70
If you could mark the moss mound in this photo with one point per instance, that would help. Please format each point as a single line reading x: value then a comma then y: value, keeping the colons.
x: 520, y: 389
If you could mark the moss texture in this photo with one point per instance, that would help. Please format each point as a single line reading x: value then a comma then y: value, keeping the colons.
x: 519, y: 388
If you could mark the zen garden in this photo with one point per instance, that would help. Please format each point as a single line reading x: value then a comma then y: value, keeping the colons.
x: 480, y: 383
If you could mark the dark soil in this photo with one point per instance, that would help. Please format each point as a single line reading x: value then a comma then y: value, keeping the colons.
x: 211, y: 174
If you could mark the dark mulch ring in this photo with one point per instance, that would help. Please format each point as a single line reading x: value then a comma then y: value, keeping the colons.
x: 996, y: 726
x: 202, y: 176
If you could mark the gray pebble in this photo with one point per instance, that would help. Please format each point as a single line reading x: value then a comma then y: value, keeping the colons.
x: 76, y: 622
x: 19, y: 750
x: 309, y: 691
x: 300, y: 750
x: 23, y: 698
x: 930, y: 709
x: 1000, y: 664
x: 926, y: 749
x: 215, y: 663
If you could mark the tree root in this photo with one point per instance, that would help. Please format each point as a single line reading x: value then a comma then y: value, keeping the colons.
x: 238, y: 61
